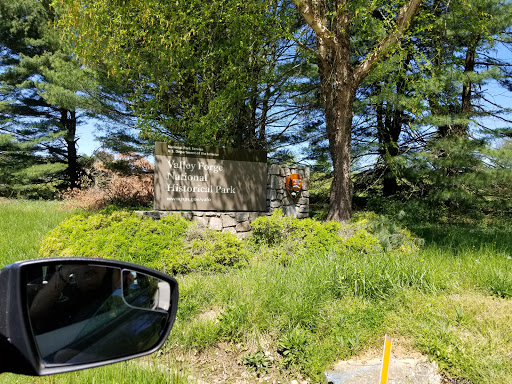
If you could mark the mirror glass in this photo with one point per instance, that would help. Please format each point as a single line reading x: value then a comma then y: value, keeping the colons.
x: 84, y: 313
x: 144, y: 291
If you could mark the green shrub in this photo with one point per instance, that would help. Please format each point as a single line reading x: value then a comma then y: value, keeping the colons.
x: 207, y: 250
x: 362, y: 241
x: 172, y: 244
x: 257, y: 362
x: 390, y: 235
x: 290, y: 238
x: 272, y: 230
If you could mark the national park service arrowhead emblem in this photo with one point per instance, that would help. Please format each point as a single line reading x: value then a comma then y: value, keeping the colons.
x: 293, y: 185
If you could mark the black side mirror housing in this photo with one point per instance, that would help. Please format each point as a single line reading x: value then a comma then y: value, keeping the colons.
x: 65, y: 314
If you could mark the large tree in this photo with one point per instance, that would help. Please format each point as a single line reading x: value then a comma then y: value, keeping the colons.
x: 342, y: 69
x: 449, y: 71
x: 212, y: 73
x: 45, y: 94
x: 202, y: 67
x: 42, y: 91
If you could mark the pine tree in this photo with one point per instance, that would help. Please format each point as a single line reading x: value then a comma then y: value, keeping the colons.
x: 426, y: 105
x: 44, y: 93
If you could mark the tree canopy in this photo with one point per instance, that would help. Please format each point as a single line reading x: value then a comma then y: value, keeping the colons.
x: 42, y: 93
x: 398, y: 86
x: 45, y: 95
x: 216, y: 72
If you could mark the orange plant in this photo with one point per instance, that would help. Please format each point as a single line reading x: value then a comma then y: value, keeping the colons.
x: 125, y: 180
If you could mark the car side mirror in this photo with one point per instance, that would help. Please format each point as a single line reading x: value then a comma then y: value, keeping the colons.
x: 64, y: 314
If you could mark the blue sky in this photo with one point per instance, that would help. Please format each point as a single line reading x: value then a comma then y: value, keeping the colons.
x: 87, y: 143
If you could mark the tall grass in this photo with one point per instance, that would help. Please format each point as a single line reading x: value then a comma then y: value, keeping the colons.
x: 23, y: 225
x: 126, y: 372
x: 335, y: 305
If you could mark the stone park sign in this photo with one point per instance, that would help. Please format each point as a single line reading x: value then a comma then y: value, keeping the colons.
x: 209, y: 179
x: 225, y: 190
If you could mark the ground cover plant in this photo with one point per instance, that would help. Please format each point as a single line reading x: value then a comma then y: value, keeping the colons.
x: 306, y: 294
x: 172, y: 245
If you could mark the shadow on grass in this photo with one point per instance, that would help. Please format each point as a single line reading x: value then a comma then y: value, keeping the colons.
x: 462, y: 237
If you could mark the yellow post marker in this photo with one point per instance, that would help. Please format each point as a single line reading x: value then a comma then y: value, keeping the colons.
x: 385, y: 360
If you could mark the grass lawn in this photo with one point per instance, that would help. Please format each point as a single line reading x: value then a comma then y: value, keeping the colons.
x: 452, y: 301
x: 23, y: 225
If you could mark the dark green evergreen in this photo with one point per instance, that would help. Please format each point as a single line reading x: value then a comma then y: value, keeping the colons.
x: 428, y: 113
x: 44, y: 96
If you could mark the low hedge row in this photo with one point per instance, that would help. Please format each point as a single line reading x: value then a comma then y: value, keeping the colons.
x: 175, y: 245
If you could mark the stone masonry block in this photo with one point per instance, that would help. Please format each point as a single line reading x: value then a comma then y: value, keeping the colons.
x: 228, y: 221
x: 215, y: 224
x: 275, y: 182
x: 305, y: 184
x: 229, y: 230
x: 156, y: 215
x: 303, y: 201
x: 255, y: 215
x: 289, y: 210
x: 243, y: 226
x: 241, y: 216
x: 201, y: 220
x: 274, y: 169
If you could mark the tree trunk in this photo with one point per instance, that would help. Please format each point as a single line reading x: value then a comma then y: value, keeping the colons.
x: 388, y: 132
x: 338, y: 93
x: 68, y: 120
x: 390, y: 119
x: 340, y: 138
x: 461, y: 130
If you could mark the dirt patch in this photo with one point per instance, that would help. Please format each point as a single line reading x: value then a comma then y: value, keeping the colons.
x: 223, y: 363
x: 402, y: 348
x: 209, y: 315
